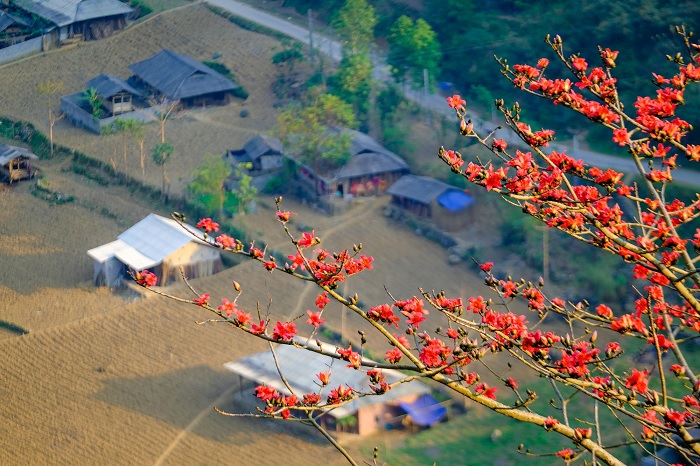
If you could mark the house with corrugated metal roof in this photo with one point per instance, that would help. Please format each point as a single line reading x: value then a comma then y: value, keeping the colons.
x: 362, y: 415
x: 84, y: 19
x: 15, y: 163
x: 447, y: 206
x: 159, y: 245
x: 175, y: 76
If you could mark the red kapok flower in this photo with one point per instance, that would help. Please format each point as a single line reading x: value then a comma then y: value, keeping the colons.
x: 284, y: 216
x: 314, y: 319
x: 566, y: 454
x: 202, y: 300
x: 638, y: 381
x: 146, y: 278
x: 208, y: 225
x: 284, y: 331
x: 324, y: 377
x: 456, y: 101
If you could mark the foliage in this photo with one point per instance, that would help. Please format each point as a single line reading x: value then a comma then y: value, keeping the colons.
x: 355, y: 23
x: 246, y: 194
x: 223, y: 70
x: 304, y: 129
x: 602, y: 400
x: 413, y: 47
x: 14, y: 328
x: 141, y: 6
x: 92, y: 98
x: 208, y: 185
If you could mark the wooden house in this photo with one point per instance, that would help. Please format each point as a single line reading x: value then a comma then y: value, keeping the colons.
x: 263, y: 151
x: 157, y: 244
x: 361, y: 416
x: 115, y: 94
x: 370, y: 169
x: 448, y: 207
x: 13, y: 29
x: 179, y: 77
x: 82, y: 19
x: 15, y: 163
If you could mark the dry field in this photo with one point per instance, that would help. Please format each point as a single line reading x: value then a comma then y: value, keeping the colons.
x: 191, y: 30
x: 107, y: 378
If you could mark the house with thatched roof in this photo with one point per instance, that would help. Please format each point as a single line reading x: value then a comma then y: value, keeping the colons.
x: 361, y: 416
x: 370, y: 169
x: 15, y: 163
x: 86, y: 19
x: 265, y: 152
x: 170, y: 75
x: 157, y: 244
x: 447, y: 206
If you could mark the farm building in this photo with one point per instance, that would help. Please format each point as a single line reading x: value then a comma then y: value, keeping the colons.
x: 448, y: 207
x: 81, y: 19
x: 115, y: 94
x: 179, y: 77
x: 13, y: 29
x: 15, y: 163
x: 361, y: 416
x: 157, y: 244
x: 371, y: 169
x: 263, y: 151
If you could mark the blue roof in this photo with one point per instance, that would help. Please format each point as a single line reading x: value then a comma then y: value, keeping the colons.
x: 455, y: 200
x: 425, y: 411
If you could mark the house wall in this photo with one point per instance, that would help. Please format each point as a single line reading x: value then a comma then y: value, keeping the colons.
x: 451, y: 221
x: 375, y: 417
x: 197, y: 260
x: 17, y: 51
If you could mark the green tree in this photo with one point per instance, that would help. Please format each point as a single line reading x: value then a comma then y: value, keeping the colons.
x: 244, y: 191
x: 161, y: 154
x: 413, y: 47
x: 353, y: 83
x: 207, y: 187
x: 355, y: 23
x: 127, y: 127
x: 304, y: 129
x: 92, y: 97
x: 50, y: 90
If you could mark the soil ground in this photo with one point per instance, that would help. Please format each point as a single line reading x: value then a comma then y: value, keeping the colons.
x: 120, y: 378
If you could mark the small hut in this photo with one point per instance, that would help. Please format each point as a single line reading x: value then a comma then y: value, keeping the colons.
x: 361, y: 416
x: 263, y: 151
x: 15, y: 163
x: 159, y: 245
x: 115, y: 94
x: 447, y: 206
x: 179, y: 77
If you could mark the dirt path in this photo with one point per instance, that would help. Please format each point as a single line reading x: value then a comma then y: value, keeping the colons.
x: 194, y: 423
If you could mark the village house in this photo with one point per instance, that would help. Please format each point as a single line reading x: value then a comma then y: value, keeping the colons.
x: 157, y: 244
x: 407, y: 402
x: 446, y: 206
x: 79, y: 19
x: 173, y: 76
x: 13, y: 29
x: 265, y: 152
x: 370, y: 169
x: 116, y: 95
x: 15, y: 163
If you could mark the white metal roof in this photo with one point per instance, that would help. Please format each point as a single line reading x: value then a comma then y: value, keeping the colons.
x: 147, y: 243
x: 300, y: 367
